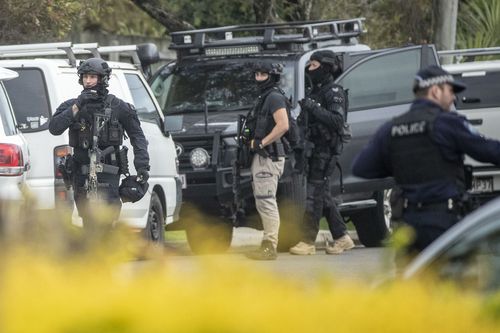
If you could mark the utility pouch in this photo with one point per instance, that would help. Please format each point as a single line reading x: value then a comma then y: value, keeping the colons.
x: 123, y: 160
x: 66, y: 167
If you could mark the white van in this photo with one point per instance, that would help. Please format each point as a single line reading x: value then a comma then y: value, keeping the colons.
x: 43, y: 84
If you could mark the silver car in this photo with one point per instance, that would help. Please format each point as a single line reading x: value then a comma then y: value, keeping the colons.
x: 468, y: 253
x: 14, y: 154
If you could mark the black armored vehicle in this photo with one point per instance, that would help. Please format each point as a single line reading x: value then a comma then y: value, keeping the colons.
x: 210, y: 84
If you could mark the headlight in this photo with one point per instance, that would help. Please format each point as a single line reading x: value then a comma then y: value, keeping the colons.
x: 199, y: 158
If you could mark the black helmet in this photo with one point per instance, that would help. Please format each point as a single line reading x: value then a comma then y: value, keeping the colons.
x: 274, y: 71
x: 329, y: 58
x: 94, y: 66
x: 267, y: 67
x: 131, y: 190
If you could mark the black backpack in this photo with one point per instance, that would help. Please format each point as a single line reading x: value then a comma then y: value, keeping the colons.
x: 292, y: 138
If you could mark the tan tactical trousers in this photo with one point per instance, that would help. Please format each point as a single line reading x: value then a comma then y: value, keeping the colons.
x: 265, y: 174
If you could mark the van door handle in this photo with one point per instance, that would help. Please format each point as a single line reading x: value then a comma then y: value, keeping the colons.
x: 476, y: 122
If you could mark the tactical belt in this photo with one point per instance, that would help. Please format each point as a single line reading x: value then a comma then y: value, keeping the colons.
x: 106, y: 168
x: 448, y: 204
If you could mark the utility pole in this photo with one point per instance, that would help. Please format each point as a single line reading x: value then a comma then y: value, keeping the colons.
x: 445, y: 18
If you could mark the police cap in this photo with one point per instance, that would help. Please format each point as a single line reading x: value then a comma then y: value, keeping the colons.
x: 433, y: 75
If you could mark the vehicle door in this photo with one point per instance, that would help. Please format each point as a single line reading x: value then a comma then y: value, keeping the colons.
x: 379, y: 87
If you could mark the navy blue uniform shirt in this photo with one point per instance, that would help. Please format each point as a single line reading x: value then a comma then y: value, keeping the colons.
x: 454, y: 136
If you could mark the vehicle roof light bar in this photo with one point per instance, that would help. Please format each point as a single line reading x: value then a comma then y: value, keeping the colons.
x: 267, y: 34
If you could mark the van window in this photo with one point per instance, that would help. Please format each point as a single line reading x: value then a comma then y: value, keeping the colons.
x: 28, y: 95
x: 143, y: 103
x: 482, y: 90
x: 383, y: 80
x: 9, y: 126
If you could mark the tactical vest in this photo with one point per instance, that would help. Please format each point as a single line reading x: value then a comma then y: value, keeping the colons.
x: 264, y: 122
x: 111, y: 134
x: 415, y: 158
x: 320, y: 133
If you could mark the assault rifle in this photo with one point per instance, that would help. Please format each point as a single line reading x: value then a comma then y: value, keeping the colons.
x: 304, y: 151
x: 96, y: 155
x: 240, y: 161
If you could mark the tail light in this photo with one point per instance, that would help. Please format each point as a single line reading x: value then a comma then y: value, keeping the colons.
x: 11, y: 160
x: 59, y: 153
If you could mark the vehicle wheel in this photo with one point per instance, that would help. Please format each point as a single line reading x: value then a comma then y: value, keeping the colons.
x: 372, y: 224
x: 291, y: 204
x: 155, y: 227
x: 208, y: 236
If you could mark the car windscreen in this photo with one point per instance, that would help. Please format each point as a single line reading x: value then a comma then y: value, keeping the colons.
x: 482, y: 90
x: 216, y: 86
x: 28, y: 95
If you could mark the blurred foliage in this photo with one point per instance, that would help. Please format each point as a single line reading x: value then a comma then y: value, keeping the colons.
x: 23, y: 21
x: 389, y: 22
x: 119, y: 17
x: 53, y: 280
x: 478, y: 24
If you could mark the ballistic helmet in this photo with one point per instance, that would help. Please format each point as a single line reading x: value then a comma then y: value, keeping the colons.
x: 131, y: 190
x: 326, y: 57
x: 274, y: 70
x: 94, y: 66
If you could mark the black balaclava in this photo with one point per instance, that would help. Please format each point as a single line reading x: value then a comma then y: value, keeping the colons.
x: 266, y: 84
x: 321, y: 74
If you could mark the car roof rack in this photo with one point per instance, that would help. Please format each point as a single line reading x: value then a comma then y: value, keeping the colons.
x: 254, y: 38
x: 69, y: 50
x: 469, y: 53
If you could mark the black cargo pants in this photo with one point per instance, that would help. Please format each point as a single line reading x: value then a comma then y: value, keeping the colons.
x: 320, y: 201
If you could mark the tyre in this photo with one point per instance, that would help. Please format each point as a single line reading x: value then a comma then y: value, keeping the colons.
x: 206, y: 230
x: 291, y: 204
x: 372, y: 224
x: 206, y: 237
x: 155, y: 227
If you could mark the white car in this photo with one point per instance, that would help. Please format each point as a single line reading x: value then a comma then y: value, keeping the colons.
x: 14, y: 154
x: 44, y: 84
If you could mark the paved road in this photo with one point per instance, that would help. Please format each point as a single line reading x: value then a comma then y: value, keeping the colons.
x: 363, y: 264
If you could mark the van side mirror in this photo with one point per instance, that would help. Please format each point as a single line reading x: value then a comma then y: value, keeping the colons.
x: 148, y: 54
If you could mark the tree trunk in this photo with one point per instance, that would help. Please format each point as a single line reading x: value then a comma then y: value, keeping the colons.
x: 298, y: 10
x: 264, y: 11
x: 155, y: 9
x: 445, y: 18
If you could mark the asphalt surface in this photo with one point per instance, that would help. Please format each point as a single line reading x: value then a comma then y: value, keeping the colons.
x: 370, y: 265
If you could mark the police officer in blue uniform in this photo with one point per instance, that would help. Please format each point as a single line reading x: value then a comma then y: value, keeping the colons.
x: 423, y: 149
x: 325, y: 108
x: 77, y: 115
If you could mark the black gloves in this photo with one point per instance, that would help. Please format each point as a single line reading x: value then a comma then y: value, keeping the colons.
x: 142, y: 176
x: 308, y: 104
x: 85, y: 97
x: 256, y: 144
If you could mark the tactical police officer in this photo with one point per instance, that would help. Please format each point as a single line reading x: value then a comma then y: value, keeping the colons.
x: 423, y: 149
x: 78, y: 115
x: 323, y: 114
x: 270, y: 124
